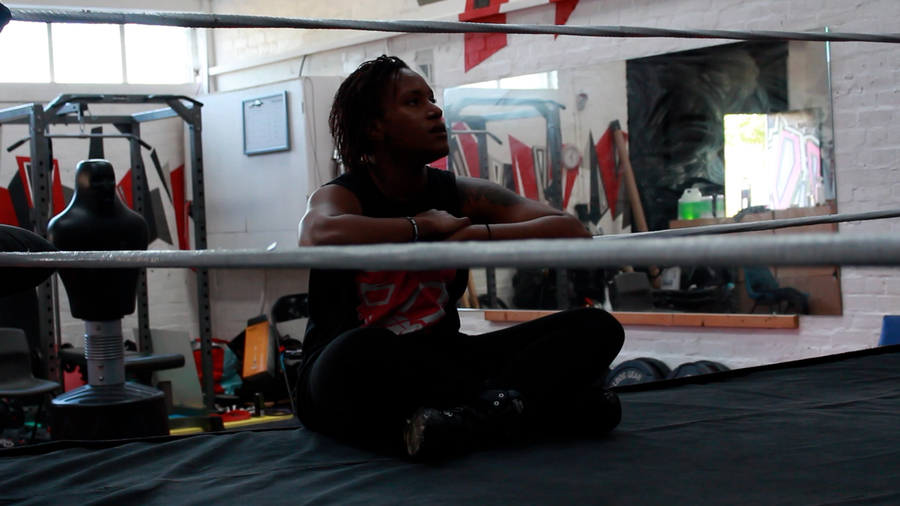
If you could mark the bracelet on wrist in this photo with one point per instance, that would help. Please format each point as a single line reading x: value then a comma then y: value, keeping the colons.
x: 415, y: 228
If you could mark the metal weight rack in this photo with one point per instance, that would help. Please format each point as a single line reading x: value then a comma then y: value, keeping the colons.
x: 71, y: 109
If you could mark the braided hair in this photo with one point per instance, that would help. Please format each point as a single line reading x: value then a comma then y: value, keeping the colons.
x: 356, y: 103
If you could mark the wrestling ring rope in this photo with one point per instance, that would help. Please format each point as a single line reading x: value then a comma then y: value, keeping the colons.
x: 194, y: 20
x: 758, y: 226
x: 800, y: 250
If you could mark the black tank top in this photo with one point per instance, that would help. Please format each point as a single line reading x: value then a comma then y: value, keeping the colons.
x: 341, y: 300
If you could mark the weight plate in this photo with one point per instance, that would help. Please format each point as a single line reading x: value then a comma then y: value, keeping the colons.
x: 690, y: 369
x: 631, y: 372
x: 660, y: 366
x: 716, y: 366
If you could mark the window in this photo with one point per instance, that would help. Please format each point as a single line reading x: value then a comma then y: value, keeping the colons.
x: 86, y: 53
x: 157, y: 54
x: 540, y: 81
x: 26, y: 53
x: 773, y: 160
x: 95, y: 53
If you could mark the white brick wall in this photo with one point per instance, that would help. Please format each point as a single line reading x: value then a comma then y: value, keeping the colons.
x: 237, y: 45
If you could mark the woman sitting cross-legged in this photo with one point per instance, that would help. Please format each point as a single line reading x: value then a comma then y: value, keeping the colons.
x: 385, y: 361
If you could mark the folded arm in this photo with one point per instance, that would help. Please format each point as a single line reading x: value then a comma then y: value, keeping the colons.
x: 334, y: 217
x: 509, y: 215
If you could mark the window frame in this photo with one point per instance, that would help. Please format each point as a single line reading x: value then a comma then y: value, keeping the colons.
x: 191, y: 58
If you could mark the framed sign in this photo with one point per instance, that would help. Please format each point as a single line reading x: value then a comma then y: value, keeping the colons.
x: 266, y: 124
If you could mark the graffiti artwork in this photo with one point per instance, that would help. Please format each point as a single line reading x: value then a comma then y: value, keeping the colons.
x: 795, y: 158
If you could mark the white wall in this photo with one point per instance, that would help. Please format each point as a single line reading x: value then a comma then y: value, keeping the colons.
x: 236, y: 47
x: 252, y: 200
x: 255, y: 201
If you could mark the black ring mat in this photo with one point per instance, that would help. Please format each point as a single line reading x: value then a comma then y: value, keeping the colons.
x: 818, y: 431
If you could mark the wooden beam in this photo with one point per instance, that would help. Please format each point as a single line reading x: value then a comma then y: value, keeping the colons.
x: 737, y: 321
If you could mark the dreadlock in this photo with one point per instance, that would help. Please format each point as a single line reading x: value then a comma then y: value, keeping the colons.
x: 356, y: 103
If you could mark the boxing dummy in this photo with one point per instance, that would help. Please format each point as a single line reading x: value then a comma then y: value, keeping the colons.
x: 97, y: 220
x: 108, y: 407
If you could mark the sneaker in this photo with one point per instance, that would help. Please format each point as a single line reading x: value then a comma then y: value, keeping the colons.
x: 433, y: 432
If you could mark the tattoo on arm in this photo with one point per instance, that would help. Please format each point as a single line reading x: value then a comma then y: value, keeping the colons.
x: 486, y: 194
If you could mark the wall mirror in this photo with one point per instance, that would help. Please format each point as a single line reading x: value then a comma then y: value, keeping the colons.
x: 727, y: 133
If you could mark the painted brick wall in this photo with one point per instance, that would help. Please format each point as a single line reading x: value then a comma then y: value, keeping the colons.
x: 237, y: 45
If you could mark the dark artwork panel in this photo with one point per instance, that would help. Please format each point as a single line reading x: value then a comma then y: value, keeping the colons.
x: 676, y: 104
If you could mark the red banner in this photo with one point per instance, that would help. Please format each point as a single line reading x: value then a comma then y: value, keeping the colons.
x: 480, y: 46
x: 523, y: 168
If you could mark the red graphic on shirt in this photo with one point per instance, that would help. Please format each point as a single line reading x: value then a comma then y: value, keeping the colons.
x: 403, y: 301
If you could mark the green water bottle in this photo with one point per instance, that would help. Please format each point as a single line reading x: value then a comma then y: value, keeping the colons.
x: 690, y: 205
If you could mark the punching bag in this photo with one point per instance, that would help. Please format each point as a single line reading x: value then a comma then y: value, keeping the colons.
x: 109, y: 406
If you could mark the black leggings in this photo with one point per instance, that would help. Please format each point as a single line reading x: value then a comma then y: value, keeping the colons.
x: 367, y: 381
